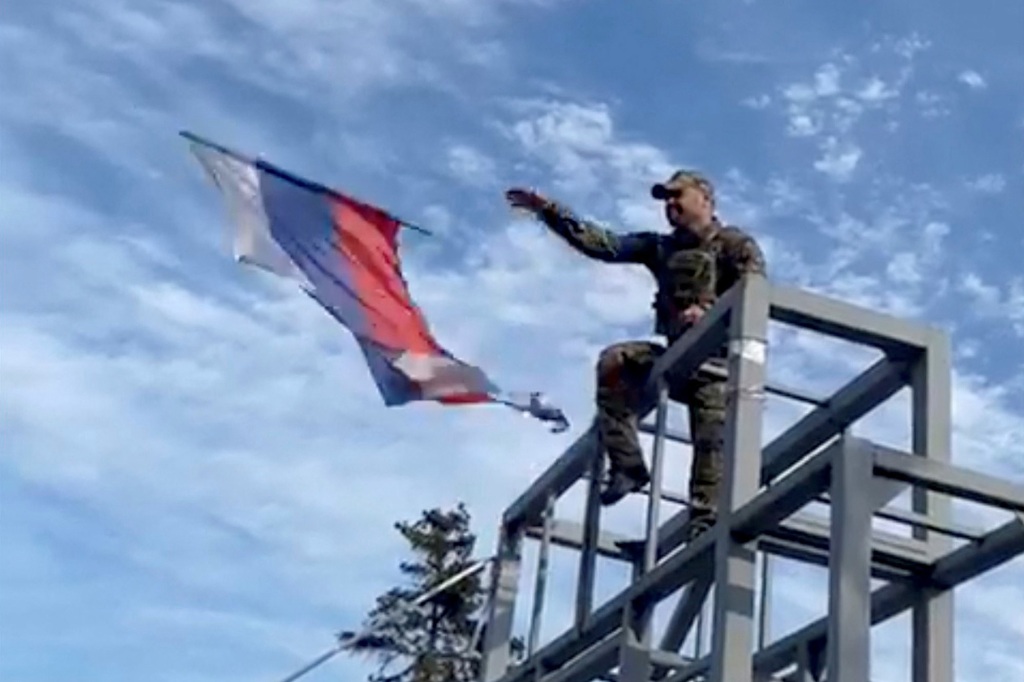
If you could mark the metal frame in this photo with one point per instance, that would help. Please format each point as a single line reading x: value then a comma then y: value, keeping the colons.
x: 764, y: 489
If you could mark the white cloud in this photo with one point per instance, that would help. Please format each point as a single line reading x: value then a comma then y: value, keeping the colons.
x: 932, y: 104
x: 877, y: 90
x: 838, y: 160
x: 761, y: 101
x: 991, y: 183
x: 470, y: 166
x: 972, y: 79
x: 1004, y: 303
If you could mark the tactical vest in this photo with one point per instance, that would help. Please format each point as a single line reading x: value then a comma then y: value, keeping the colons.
x: 685, y: 277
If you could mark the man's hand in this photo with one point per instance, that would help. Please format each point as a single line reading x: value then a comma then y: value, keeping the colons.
x: 526, y: 200
x: 693, y: 314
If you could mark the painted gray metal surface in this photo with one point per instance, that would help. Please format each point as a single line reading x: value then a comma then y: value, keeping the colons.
x: 735, y: 569
x: 765, y: 489
x: 849, y: 590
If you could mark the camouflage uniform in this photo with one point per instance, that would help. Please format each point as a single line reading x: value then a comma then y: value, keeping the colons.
x: 689, y: 270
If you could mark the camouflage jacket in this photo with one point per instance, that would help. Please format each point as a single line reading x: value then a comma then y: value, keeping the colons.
x: 688, y: 271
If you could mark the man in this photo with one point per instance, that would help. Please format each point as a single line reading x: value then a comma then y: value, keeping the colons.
x: 693, y: 265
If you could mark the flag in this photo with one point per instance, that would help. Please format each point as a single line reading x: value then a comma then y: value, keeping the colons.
x: 344, y: 253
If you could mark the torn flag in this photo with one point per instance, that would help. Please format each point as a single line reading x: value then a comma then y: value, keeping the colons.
x: 344, y: 254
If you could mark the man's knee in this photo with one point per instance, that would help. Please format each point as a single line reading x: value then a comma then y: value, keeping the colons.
x: 710, y: 399
x: 621, y: 361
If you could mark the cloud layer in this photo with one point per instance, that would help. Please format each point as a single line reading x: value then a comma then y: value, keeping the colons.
x: 197, y: 477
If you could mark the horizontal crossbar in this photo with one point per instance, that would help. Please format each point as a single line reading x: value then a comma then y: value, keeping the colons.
x: 944, y: 478
x: 835, y: 318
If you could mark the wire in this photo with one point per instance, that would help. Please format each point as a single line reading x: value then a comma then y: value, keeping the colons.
x: 347, y: 640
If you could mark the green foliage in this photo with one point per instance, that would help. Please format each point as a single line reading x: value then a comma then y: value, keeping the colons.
x: 430, y: 642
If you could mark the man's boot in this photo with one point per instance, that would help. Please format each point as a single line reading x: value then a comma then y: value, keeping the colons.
x: 701, y: 520
x: 622, y: 482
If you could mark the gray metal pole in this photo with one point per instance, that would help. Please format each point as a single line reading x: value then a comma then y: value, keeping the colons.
x: 765, y: 613
x: 346, y: 643
x: 540, y: 582
x: 320, y: 660
x: 657, y: 474
x: 591, y: 529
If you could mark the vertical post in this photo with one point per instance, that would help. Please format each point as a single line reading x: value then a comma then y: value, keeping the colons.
x: 805, y: 670
x: 540, y: 582
x: 764, y: 613
x: 591, y: 528
x: 698, y: 640
x: 733, y: 633
x: 634, y: 653
x: 687, y: 612
x: 504, y: 585
x: 849, y: 564
x: 932, y: 615
x: 657, y: 474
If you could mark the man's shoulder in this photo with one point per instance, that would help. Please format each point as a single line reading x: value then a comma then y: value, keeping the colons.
x: 734, y: 234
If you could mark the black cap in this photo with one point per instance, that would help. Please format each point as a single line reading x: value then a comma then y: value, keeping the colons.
x: 682, y: 178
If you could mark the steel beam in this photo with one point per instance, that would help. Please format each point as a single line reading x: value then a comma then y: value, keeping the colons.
x: 501, y: 610
x: 848, y: 322
x: 587, y: 573
x: 944, y: 478
x: 849, y: 571
x: 735, y: 572
x: 563, y: 473
x: 540, y: 580
x: 851, y: 402
x: 781, y: 390
x: 818, y: 556
x: 782, y: 500
x: 888, y: 549
x: 665, y: 578
x: 634, y: 653
x: 996, y: 548
x: 593, y: 663
x: 802, y: 538
x: 932, y: 641
x: 687, y: 609
x: 923, y: 521
x: 569, y: 534
x: 999, y: 546
x: 650, y: 555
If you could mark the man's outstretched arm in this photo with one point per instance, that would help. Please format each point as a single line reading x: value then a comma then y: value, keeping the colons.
x: 587, y: 238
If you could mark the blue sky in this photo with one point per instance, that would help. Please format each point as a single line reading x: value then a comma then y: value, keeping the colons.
x: 197, y: 478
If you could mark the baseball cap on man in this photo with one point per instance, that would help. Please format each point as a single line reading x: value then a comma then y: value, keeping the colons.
x: 681, y: 179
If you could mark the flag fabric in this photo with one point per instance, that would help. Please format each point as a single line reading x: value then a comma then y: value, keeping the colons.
x: 344, y: 254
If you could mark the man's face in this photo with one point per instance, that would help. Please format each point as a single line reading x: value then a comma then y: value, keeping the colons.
x: 687, y: 206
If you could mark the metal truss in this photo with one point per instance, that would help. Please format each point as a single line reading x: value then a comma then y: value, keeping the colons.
x: 764, y: 490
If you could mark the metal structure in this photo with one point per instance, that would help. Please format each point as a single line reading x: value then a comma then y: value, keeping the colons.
x: 764, y: 490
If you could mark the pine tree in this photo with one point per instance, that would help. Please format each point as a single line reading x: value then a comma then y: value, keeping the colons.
x: 434, y: 641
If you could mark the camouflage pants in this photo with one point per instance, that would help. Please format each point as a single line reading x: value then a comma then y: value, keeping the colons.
x: 622, y: 371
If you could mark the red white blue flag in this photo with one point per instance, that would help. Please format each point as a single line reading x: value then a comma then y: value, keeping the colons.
x: 344, y: 254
